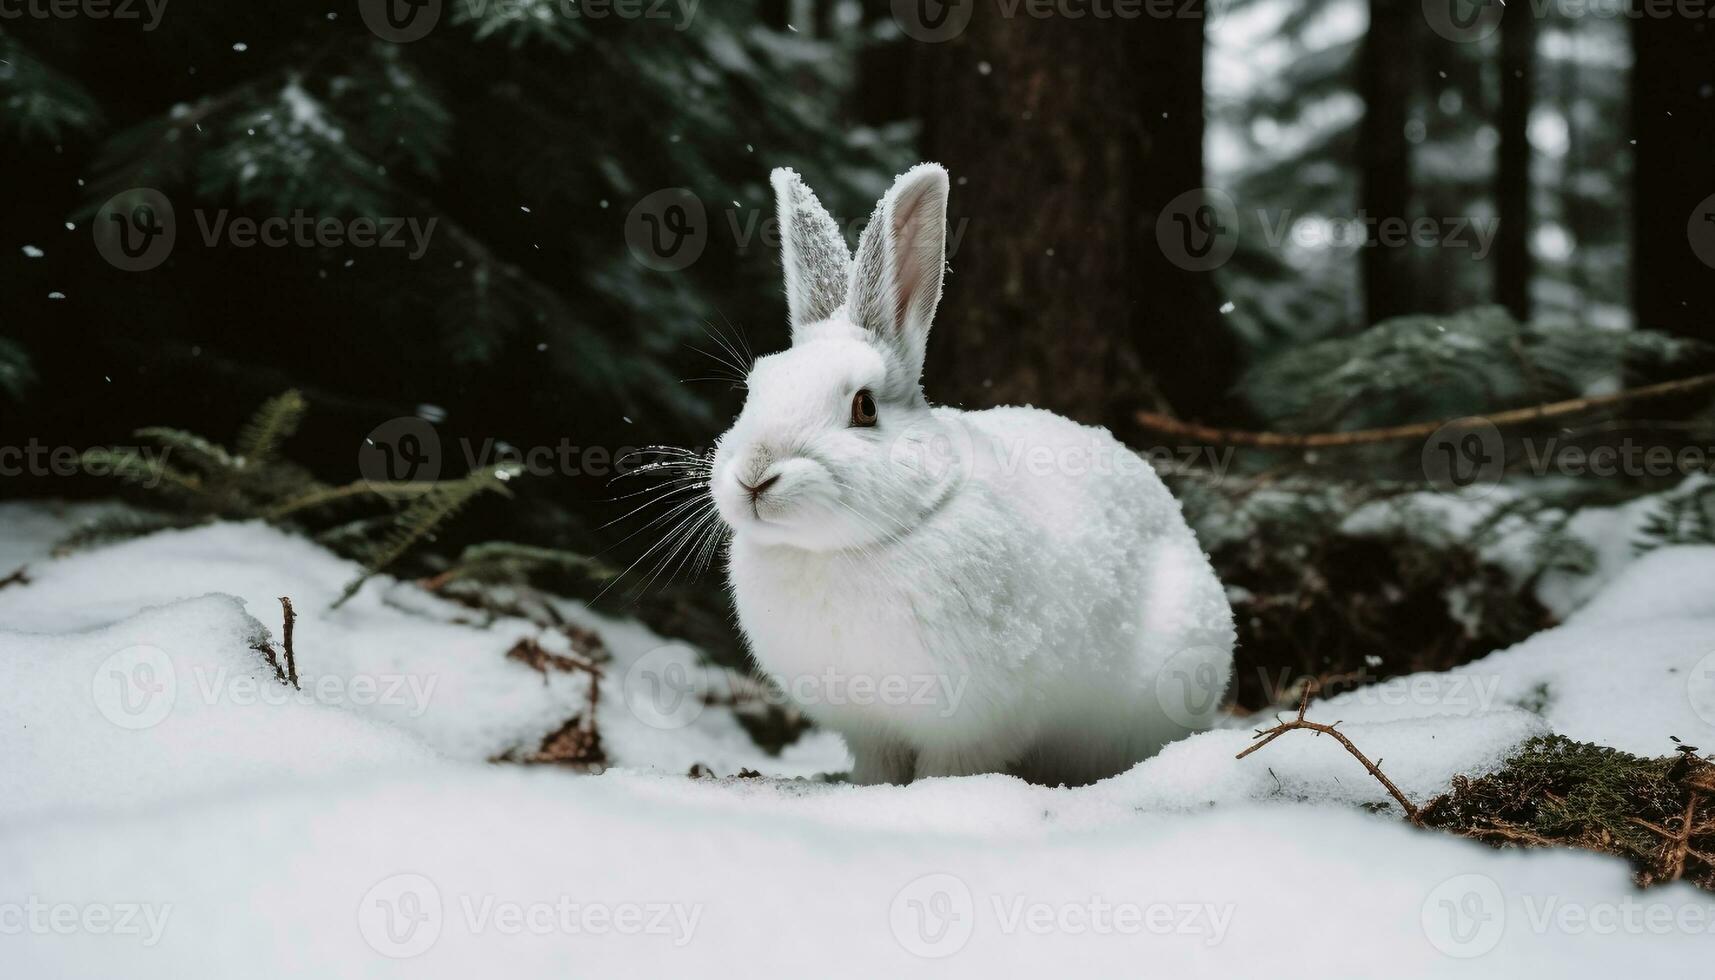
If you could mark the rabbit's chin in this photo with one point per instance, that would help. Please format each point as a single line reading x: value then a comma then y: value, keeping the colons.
x: 806, y: 530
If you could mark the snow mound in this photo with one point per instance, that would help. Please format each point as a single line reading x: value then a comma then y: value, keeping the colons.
x: 393, y: 654
x: 168, y: 809
x: 172, y: 702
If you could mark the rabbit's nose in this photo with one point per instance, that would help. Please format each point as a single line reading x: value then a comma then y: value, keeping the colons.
x: 759, y: 489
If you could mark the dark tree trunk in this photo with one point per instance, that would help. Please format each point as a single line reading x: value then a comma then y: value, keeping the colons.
x: 1673, y: 127
x: 883, y: 68
x: 1067, y: 141
x: 1513, y: 267
x: 1384, y: 155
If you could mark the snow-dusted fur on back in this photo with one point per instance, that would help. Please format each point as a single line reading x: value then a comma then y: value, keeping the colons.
x: 953, y: 592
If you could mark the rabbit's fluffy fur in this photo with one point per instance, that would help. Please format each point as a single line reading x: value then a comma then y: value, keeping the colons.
x: 953, y: 592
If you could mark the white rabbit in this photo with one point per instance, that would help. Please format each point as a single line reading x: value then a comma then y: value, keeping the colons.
x: 953, y: 592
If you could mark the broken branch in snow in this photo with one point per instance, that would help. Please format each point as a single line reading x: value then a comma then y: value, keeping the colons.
x: 1677, y: 846
x: 266, y: 649
x: 1168, y: 425
x: 16, y: 578
x: 291, y: 658
x: 1268, y: 735
x: 577, y: 743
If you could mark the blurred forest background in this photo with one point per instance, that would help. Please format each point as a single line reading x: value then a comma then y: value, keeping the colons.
x: 1159, y: 225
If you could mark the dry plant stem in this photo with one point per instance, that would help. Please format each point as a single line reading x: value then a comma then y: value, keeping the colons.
x: 1167, y: 425
x: 18, y: 577
x: 291, y: 658
x: 1299, y: 724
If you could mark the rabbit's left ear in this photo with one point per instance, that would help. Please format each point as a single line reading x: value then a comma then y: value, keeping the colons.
x: 812, y: 251
x: 896, y: 280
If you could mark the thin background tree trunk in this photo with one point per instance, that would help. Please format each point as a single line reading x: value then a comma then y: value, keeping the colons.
x: 1384, y: 155
x: 1513, y: 266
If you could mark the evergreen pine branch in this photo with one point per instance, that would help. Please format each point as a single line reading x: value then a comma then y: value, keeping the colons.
x: 430, y: 510
x: 209, y: 460
x: 325, y: 496
x: 134, y: 468
x: 275, y: 422
x: 509, y: 563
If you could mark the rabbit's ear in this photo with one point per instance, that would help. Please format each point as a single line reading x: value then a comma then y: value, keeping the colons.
x: 814, y: 254
x: 896, y: 281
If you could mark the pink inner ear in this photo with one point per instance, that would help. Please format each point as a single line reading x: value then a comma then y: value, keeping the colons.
x: 910, y: 265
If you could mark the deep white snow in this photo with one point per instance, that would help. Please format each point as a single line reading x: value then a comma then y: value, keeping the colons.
x: 167, y: 809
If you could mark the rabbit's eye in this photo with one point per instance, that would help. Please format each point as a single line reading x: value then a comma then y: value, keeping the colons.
x: 863, y: 408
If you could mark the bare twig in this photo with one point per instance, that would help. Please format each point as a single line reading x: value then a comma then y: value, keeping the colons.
x: 1167, y: 425
x: 291, y: 658
x: 1268, y: 735
x: 16, y: 578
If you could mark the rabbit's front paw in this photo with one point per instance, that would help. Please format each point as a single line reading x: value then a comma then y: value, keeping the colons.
x: 881, y: 763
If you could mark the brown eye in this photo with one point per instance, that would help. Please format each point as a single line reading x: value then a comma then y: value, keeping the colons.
x: 863, y: 408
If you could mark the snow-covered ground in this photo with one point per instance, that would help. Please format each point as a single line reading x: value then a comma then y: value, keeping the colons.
x: 168, y: 809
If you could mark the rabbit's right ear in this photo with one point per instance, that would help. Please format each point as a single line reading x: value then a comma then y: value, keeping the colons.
x: 901, y: 259
x: 812, y: 251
